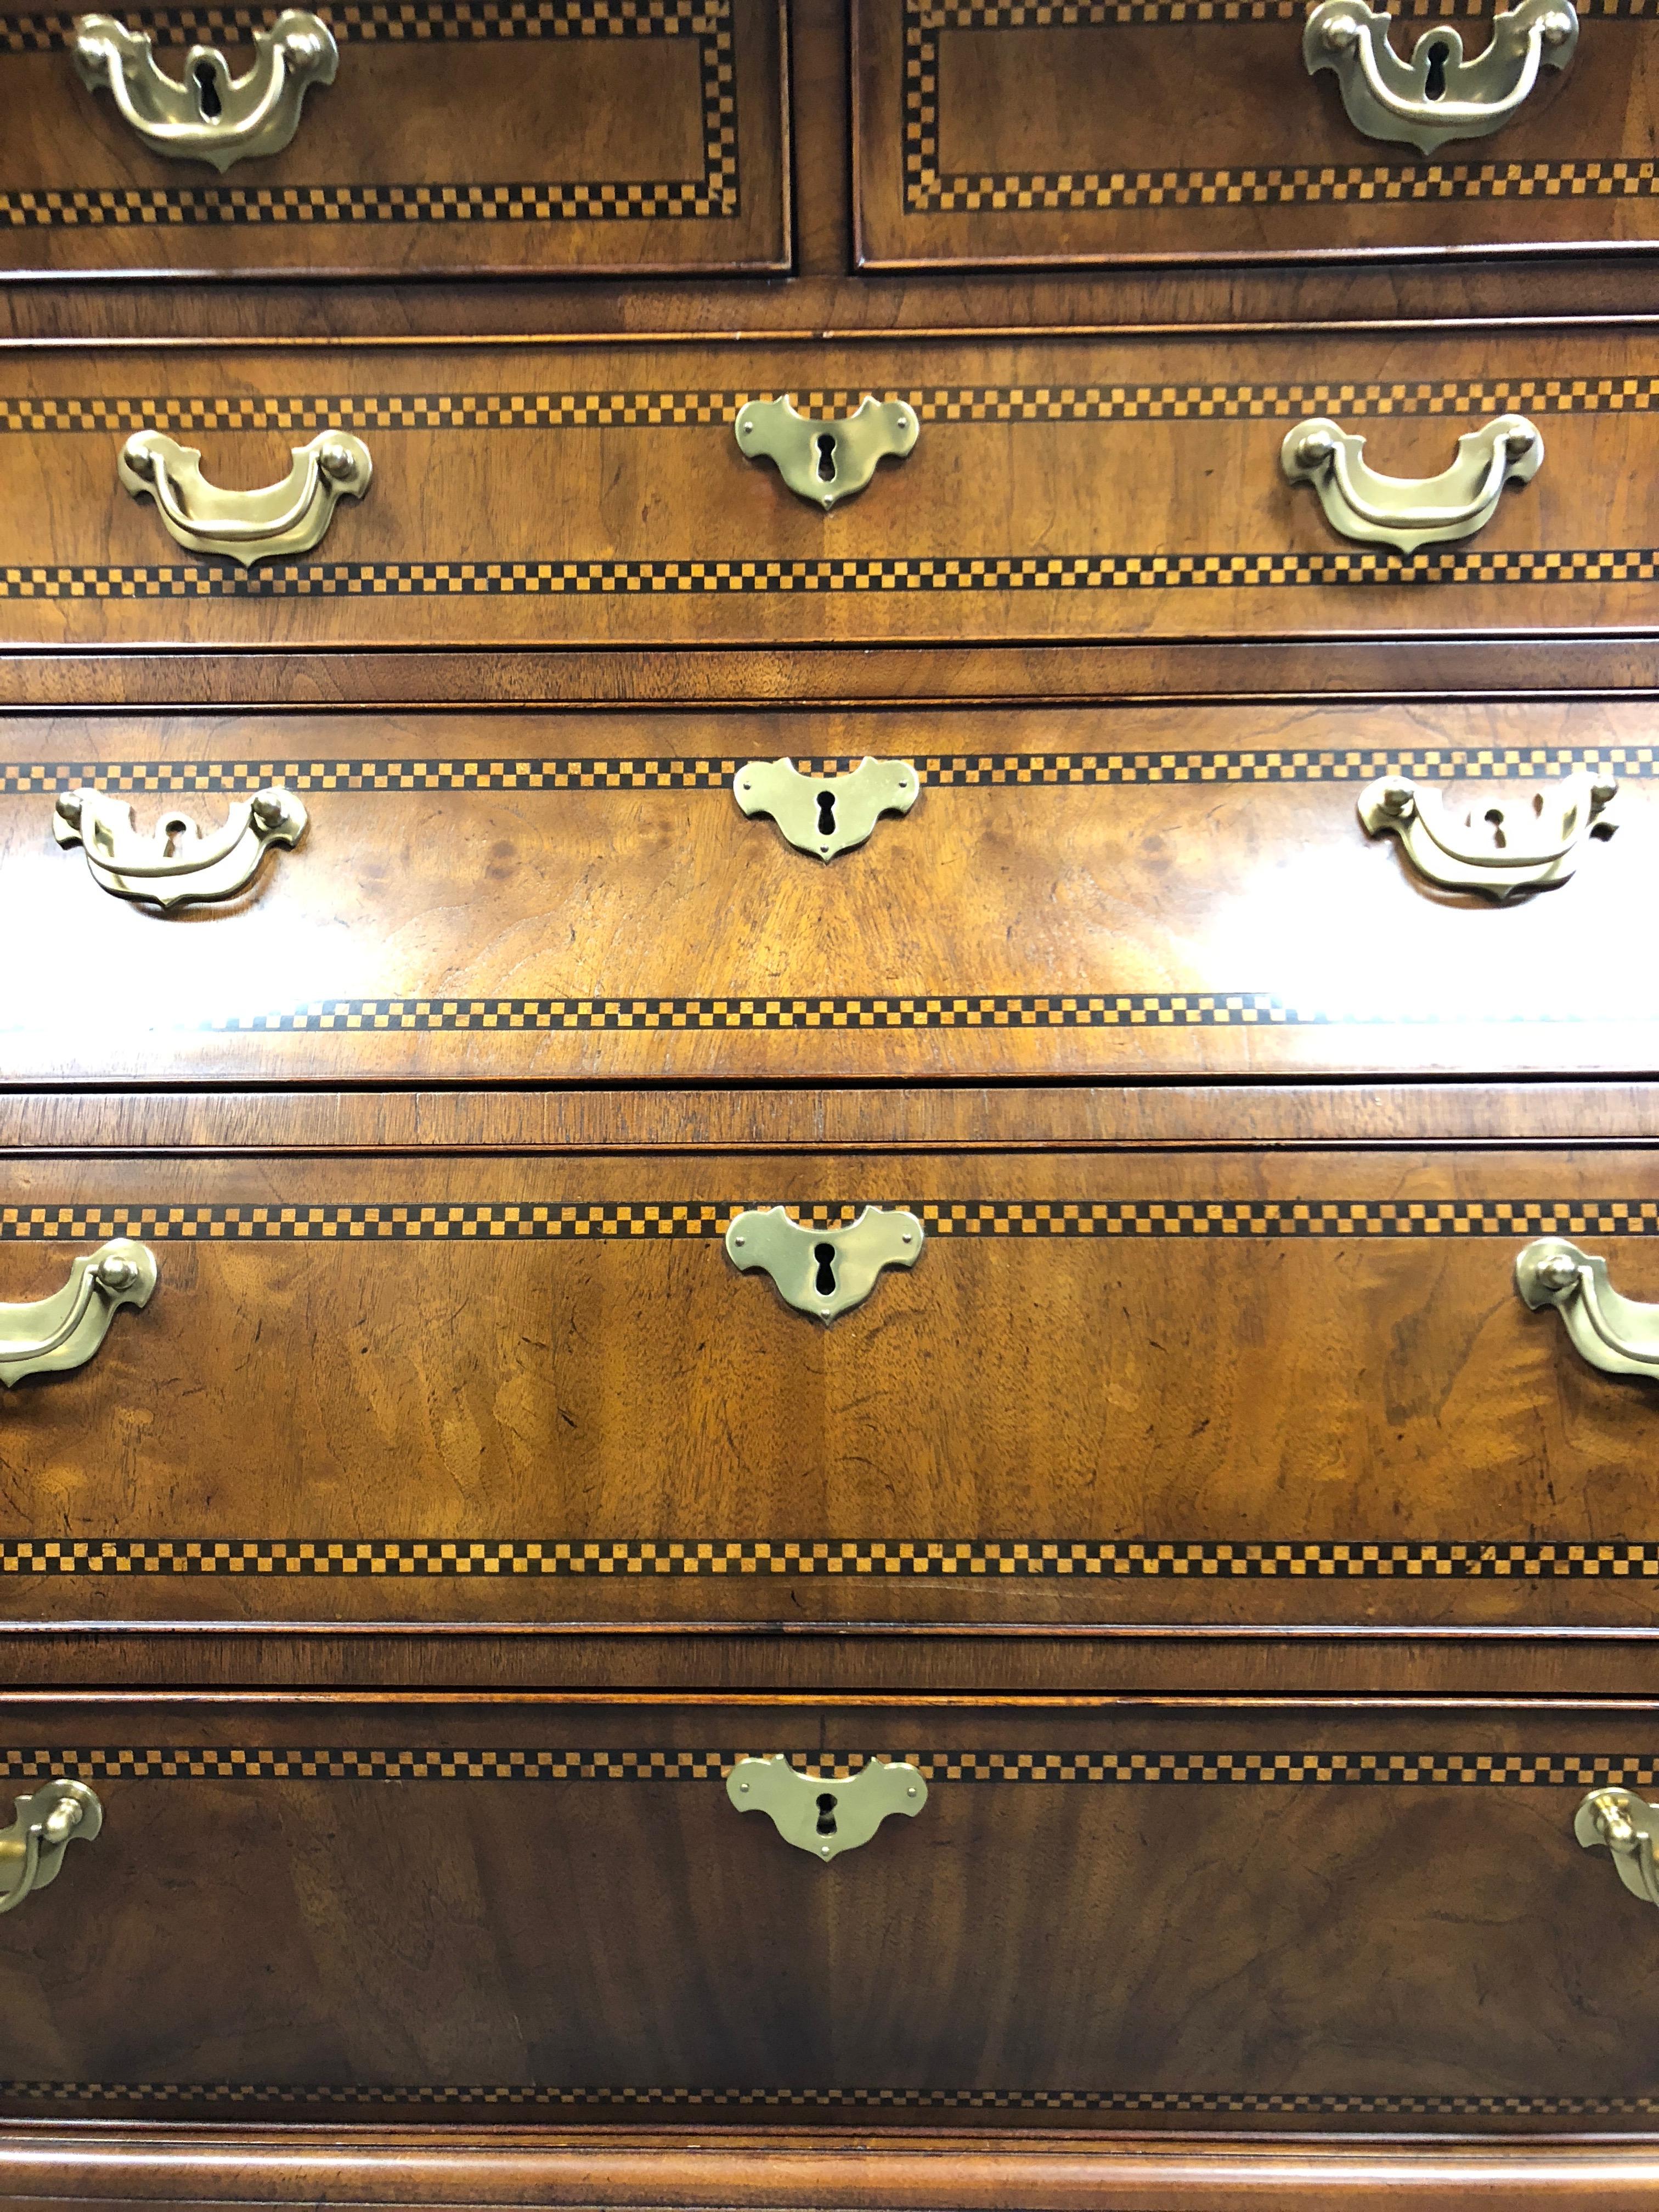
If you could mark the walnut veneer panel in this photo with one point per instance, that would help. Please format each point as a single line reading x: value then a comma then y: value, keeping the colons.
x: 1125, y: 489
x: 460, y: 136
x: 1204, y: 1387
x: 1186, y: 1918
x: 1178, y: 892
x: 1158, y: 130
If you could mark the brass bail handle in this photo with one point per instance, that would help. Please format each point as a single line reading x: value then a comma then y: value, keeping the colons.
x: 32, y: 1849
x: 62, y: 1331
x: 1407, y: 512
x: 208, y: 115
x: 1437, y: 96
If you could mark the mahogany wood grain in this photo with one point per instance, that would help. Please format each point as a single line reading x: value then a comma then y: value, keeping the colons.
x: 392, y: 1380
x: 868, y: 1120
x: 858, y: 2169
x: 1001, y: 136
x: 495, y: 141
x: 1177, y: 892
x: 657, y: 531
x: 1107, y: 1919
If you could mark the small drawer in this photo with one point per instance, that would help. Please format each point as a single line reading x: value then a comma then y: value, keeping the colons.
x: 1200, y: 1385
x: 443, y: 138
x: 1064, y: 489
x: 1174, y: 1919
x: 1106, y: 894
x: 1154, y: 130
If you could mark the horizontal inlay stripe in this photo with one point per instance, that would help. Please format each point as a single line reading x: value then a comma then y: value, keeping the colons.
x: 1140, y: 1010
x: 645, y: 1219
x: 352, y: 1763
x: 1094, y: 14
x: 573, y: 411
x: 1280, y: 185
x: 1269, y: 764
x: 397, y: 21
x: 222, y: 2095
x: 966, y: 573
x: 913, y: 1560
x: 176, y: 206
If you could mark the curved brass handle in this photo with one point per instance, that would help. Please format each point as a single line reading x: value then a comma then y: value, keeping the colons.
x: 826, y: 814
x: 52, y: 1334
x: 290, y: 517
x: 822, y: 1816
x: 1437, y: 95
x: 32, y: 1850
x: 1501, y: 845
x: 1406, y: 512
x: 178, y: 866
x: 824, y: 1271
x: 825, y: 460
x: 1618, y: 1822
x: 1614, y: 1333
x: 211, y: 116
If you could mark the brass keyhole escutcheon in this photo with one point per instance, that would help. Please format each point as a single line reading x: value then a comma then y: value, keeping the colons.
x: 826, y: 1814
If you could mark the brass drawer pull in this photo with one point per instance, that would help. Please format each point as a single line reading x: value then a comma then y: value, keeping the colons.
x: 1614, y: 1333
x: 1500, y: 845
x: 1437, y: 95
x: 178, y: 866
x: 32, y: 1850
x: 1619, y: 1822
x: 825, y: 461
x: 826, y: 814
x: 50, y: 1335
x: 210, y: 116
x: 1406, y: 512
x: 824, y: 1271
x: 822, y: 1816
x: 290, y: 517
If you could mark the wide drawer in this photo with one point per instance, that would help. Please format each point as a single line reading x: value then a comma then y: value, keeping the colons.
x: 1062, y: 488
x: 578, y: 137
x: 1156, y: 131
x: 1179, y: 1917
x: 1208, y: 1385
x: 1180, y: 892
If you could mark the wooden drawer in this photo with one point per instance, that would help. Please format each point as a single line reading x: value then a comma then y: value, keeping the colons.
x: 1183, y: 1918
x: 1176, y: 893
x: 459, y: 138
x: 1065, y: 487
x: 1157, y: 131
x: 1206, y: 1385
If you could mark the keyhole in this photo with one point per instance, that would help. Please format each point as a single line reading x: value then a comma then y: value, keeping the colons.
x: 826, y: 814
x: 826, y: 458
x: 174, y: 827
x: 1495, y: 816
x: 1435, y: 87
x: 207, y: 92
x: 826, y: 1814
x: 825, y: 1257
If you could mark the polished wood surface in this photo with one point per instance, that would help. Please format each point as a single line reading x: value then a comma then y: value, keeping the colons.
x: 560, y: 138
x: 1156, y: 132
x: 1176, y: 893
x: 1373, y: 1922
x: 860, y: 2168
x: 1198, y: 1387
x: 602, y: 495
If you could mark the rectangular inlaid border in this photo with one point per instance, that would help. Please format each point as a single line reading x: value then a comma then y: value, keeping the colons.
x: 927, y: 191
x: 715, y: 193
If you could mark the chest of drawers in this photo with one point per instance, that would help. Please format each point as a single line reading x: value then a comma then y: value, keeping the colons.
x: 825, y: 1038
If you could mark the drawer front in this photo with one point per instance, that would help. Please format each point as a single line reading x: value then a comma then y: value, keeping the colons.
x: 1179, y: 1918
x: 1207, y: 1386
x: 1110, y: 894
x: 457, y: 137
x: 1066, y: 489
x: 1159, y: 131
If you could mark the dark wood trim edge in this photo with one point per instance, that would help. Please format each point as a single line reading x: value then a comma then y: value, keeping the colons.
x: 42, y: 2164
